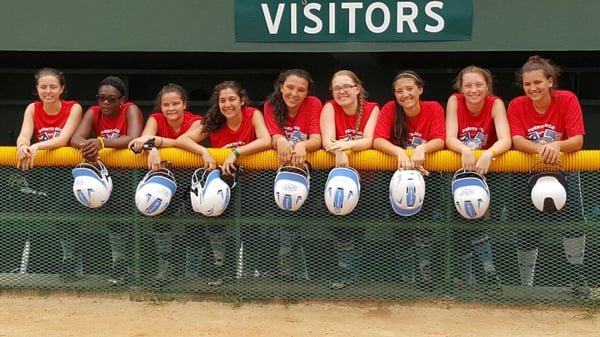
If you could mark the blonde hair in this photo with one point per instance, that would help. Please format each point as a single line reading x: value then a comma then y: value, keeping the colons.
x: 360, y: 98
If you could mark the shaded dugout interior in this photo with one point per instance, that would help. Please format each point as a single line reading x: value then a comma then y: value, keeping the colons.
x: 146, y: 72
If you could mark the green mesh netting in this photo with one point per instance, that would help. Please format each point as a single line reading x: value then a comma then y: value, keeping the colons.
x: 516, y: 254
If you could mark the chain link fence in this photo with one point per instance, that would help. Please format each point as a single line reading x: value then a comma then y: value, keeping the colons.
x: 513, y: 255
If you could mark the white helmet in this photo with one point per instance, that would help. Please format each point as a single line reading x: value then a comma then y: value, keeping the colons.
x: 471, y: 194
x: 291, y: 187
x: 209, y: 194
x: 407, y: 192
x: 342, y: 190
x: 548, y: 191
x: 92, y: 184
x: 155, y: 191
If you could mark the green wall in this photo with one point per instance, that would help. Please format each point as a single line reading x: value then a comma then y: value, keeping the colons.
x: 208, y: 26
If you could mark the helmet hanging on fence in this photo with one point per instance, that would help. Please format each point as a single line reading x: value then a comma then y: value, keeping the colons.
x: 92, y: 184
x: 154, y: 192
x: 209, y: 194
x: 471, y: 194
x: 407, y: 192
x: 342, y: 190
x: 291, y: 187
x: 548, y: 188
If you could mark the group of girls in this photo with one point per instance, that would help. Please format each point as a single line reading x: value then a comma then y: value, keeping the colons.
x: 293, y: 122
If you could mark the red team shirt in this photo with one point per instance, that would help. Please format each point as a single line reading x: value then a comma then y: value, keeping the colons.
x: 110, y: 127
x: 345, y: 124
x: 429, y: 123
x: 228, y: 138
x: 300, y: 127
x: 49, y: 126
x: 164, y: 130
x: 477, y: 132
x: 562, y: 119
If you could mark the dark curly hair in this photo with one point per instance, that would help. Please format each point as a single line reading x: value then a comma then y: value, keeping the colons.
x: 214, y: 120
x: 276, y: 98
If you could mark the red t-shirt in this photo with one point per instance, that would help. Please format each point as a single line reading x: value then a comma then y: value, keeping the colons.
x: 165, y: 130
x: 110, y: 127
x: 228, y: 138
x: 563, y: 118
x: 300, y: 127
x: 49, y: 126
x: 345, y: 124
x: 427, y: 125
x: 477, y: 132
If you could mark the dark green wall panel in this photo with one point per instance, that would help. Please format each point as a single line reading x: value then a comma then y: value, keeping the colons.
x: 208, y: 26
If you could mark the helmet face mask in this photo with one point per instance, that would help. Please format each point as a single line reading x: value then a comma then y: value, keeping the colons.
x: 470, y: 193
x: 342, y: 190
x: 92, y: 185
x: 291, y: 187
x: 548, y: 191
x: 209, y: 194
x: 407, y: 192
x: 154, y: 192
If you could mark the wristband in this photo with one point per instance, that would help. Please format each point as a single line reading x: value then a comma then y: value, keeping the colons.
x: 494, y: 154
x: 235, y: 153
x: 101, y: 140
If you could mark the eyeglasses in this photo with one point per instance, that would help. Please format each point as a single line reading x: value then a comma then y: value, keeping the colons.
x: 344, y: 87
x: 109, y: 99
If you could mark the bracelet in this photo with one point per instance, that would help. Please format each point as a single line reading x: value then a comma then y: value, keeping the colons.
x: 161, y: 141
x: 101, y: 140
x: 494, y: 154
x: 19, y: 145
x: 235, y: 153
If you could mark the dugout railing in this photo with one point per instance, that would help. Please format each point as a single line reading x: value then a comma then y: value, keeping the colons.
x: 41, y: 222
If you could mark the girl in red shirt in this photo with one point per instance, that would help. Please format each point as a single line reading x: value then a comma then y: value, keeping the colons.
x: 171, y: 121
x: 407, y: 122
x: 476, y: 120
x: 229, y: 123
x: 547, y: 121
x: 51, y: 120
x: 114, y: 120
x: 347, y: 124
x: 292, y: 118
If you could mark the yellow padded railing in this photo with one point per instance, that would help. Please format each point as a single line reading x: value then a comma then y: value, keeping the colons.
x: 441, y: 161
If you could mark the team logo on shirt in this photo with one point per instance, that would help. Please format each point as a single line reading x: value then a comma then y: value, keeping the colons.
x: 545, y: 137
x: 351, y: 134
x: 474, y: 143
x: 415, y: 141
x: 48, y: 134
x: 294, y: 135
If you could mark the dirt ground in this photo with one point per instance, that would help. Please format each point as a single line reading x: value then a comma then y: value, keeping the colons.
x: 67, y: 315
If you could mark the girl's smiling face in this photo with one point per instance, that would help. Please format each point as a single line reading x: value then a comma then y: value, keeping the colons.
x: 172, y: 105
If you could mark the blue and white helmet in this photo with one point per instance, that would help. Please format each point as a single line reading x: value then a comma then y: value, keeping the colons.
x: 154, y: 192
x: 291, y: 187
x: 92, y: 184
x: 407, y: 192
x: 342, y: 190
x: 471, y: 194
x: 209, y: 194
